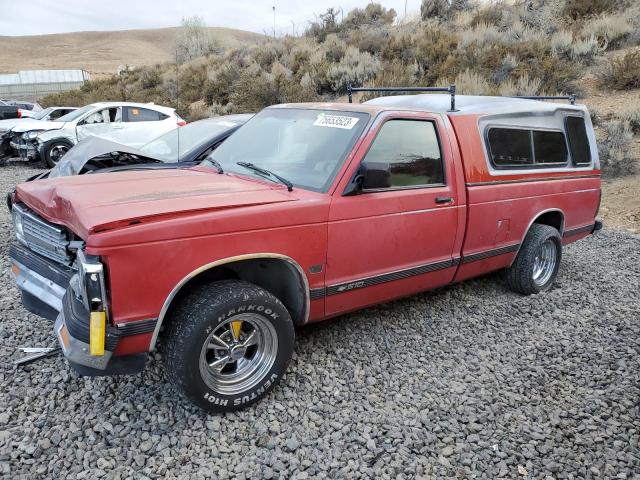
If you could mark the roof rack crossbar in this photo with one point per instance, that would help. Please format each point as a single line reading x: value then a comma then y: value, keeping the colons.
x: 451, y: 89
x: 571, y: 98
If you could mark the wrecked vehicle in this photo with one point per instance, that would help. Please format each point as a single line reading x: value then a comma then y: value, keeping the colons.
x: 48, y: 114
x: 307, y: 212
x: 9, y: 111
x: 182, y: 147
x: 132, y: 124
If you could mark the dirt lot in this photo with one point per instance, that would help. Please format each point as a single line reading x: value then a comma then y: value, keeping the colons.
x: 469, y: 381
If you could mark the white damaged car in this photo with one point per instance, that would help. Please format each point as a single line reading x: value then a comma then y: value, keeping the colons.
x: 132, y: 124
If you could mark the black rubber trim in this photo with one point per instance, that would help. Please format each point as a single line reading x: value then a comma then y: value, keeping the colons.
x: 316, y: 293
x: 597, y: 226
x: 490, y: 253
x: 390, y: 277
x: 38, y: 307
x: 125, y: 365
x: 576, y: 231
x: 76, y: 318
x: 57, y: 273
x: 138, y: 327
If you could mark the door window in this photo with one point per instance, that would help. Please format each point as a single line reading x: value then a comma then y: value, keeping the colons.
x: 107, y: 115
x: 411, y: 150
x: 136, y: 114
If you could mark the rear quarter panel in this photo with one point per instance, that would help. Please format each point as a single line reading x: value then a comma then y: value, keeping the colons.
x: 501, y: 208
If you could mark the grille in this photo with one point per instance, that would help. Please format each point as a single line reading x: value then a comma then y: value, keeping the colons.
x: 42, y: 237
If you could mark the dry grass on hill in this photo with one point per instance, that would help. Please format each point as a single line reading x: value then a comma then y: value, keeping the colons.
x: 101, y: 53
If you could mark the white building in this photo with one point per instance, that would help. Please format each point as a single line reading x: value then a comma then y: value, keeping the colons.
x: 30, y: 85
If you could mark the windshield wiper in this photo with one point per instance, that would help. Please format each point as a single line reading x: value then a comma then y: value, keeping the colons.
x: 215, y: 163
x: 266, y: 172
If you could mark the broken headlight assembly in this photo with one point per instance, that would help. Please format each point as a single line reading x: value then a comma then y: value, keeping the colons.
x: 31, y: 135
x: 89, y: 282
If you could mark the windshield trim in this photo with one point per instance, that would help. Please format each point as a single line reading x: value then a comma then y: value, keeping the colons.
x: 340, y: 164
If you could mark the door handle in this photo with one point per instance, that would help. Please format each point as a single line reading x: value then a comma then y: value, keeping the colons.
x: 440, y: 200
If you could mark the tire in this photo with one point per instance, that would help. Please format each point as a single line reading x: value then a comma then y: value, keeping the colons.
x: 536, y: 266
x: 212, y: 310
x: 54, y: 150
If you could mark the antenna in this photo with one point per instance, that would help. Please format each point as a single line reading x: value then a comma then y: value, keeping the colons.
x: 177, y: 100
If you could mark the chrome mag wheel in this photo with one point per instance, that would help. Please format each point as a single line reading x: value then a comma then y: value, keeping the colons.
x: 238, y: 353
x: 545, y: 262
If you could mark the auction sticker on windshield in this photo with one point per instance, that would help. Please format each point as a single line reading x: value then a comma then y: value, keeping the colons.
x: 335, y: 121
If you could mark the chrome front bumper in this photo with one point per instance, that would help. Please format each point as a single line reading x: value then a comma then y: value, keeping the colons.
x: 74, y: 349
x: 42, y: 282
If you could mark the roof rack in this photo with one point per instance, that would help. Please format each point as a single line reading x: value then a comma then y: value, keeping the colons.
x: 451, y: 89
x: 571, y: 98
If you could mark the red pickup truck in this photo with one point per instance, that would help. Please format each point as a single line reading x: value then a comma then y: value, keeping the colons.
x: 307, y: 212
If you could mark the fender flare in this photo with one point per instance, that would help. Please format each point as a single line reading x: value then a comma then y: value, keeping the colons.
x: 533, y: 220
x: 304, y: 284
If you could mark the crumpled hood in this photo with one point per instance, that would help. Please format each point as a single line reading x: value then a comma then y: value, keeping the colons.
x: 31, y: 124
x: 93, y: 203
x: 81, y: 153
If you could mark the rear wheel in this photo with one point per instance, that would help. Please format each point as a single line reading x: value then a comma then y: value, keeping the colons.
x: 536, y: 266
x: 228, y: 344
x: 54, y: 151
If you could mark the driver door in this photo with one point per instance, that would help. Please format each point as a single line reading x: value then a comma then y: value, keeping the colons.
x: 399, y: 237
x: 99, y: 123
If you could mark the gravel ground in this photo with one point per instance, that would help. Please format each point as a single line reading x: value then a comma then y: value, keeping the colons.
x: 468, y: 381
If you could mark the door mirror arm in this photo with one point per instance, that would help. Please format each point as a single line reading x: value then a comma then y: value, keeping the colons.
x: 370, y: 176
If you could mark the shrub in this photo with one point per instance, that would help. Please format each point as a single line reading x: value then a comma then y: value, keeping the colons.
x: 577, y: 9
x: 622, y: 72
x: 615, y: 149
x: 372, y: 14
x: 609, y: 30
x: 470, y: 83
x: 191, y: 83
x: 193, y: 39
x: 434, y: 9
x: 631, y: 115
x: 524, y: 86
x: 355, y: 68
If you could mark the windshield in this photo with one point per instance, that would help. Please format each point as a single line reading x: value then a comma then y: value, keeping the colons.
x: 178, y: 143
x: 306, y: 147
x: 71, y: 116
x: 43, y: 113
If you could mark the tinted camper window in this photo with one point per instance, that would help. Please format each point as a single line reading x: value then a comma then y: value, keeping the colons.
x: 549, y: 147
x: 510, y: 147
x: 578, y: 141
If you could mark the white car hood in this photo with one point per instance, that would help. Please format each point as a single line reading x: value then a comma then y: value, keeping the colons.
x: 30, y: 124
x: 9, y: 123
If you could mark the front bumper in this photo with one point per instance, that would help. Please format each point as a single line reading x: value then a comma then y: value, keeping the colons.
x: 26, y: 149
x: 47, y: 290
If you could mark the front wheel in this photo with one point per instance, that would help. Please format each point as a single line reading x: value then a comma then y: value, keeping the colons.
x: 54, y: 151
x: 228, y: 344
x: 536, y: 266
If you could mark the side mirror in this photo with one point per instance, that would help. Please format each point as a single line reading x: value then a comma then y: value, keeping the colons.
x: 370, y: 176
x: 375, y: 175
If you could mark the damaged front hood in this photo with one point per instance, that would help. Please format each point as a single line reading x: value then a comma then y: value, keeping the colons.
x: 76, y: 158
x: 29, y: 125
x: 93, y: 203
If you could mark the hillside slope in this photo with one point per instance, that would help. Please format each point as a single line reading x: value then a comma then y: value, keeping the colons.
x: 101, y: 52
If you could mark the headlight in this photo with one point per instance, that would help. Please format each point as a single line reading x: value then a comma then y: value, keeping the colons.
x: 31, y: 135
x: 91, y: 282
x: 17, y: 224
